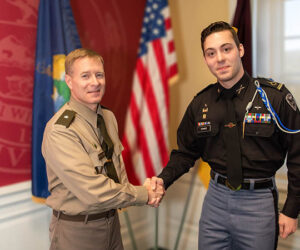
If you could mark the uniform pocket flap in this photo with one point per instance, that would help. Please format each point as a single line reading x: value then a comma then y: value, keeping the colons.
x: 261, y: 130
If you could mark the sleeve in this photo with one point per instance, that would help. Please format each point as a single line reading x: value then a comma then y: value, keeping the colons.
x: 66, y: 157
x: 189, y: 149
x: 290, y: 115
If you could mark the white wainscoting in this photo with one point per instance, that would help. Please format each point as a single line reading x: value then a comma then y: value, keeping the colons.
x: 23, y: 223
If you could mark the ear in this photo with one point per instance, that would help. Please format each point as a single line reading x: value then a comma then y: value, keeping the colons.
x: 68, y: 80
x: 241, y: 50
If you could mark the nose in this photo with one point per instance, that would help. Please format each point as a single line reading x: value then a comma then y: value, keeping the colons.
x: 95, y: 81
x: 220, y: 56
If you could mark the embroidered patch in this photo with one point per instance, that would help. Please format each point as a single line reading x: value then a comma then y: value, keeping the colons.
x: 258, y: 118
x: 291, y: 101
x: 203, y: 127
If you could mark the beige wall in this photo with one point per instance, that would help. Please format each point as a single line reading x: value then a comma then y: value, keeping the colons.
x: 189, y: 17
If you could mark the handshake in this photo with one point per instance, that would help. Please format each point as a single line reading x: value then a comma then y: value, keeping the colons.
x: 156, y: 190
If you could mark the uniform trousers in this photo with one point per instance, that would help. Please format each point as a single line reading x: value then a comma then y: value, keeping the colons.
x: 101, y: 234
x: 238, y: 220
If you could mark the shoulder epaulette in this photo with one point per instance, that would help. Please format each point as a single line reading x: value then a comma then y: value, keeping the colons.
x: 66, y: 118
x: 270, y: 83
x: 103, y: 107
x: 206, y: 88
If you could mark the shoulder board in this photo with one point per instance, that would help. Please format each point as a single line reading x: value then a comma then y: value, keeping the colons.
x: 66, y: 118
x: 206, y: 88
x: 103, y: 107
x: 270, y: 83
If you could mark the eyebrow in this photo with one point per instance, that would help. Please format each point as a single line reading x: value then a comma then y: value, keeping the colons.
x: 88, y: 72
x: 223, y: 45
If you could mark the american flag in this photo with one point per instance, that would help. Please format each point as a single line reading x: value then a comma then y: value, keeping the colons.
x: 145, y: 137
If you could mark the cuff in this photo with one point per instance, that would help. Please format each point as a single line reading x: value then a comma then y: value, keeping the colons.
x: 291, y: 207
x: 141, y: 195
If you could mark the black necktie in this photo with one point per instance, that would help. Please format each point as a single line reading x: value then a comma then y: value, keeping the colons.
x: 108, y: 148
x: 232, y: 143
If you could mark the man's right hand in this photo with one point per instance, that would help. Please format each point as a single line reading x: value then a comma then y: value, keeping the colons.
x: 156, y: 190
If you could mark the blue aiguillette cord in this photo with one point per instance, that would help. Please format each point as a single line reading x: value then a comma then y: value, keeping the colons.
x: 274, y: 115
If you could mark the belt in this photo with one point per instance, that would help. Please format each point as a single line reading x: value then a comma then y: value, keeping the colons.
x: 258, y: 184
x: 84, y: 218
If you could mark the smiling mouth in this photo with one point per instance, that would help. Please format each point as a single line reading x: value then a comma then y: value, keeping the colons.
x: 94, y: 91
x: 223, y: 68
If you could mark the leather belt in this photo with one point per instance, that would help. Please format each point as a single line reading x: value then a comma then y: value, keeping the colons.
x: 258, y: 184
x: 84, y: 218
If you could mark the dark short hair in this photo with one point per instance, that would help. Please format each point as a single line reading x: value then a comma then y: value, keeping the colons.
x: 217, y: 27
x: 77, y: 54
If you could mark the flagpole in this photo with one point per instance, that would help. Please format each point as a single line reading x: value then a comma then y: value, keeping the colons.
x: 193, y: 178
x: 130, y: 231
x: 156, y: 229
x: 156, y: 247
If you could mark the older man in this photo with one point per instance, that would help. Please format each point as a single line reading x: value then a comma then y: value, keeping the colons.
x: 86, y: 174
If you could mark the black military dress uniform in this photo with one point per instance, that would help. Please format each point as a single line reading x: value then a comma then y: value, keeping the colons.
x: 263, y: 146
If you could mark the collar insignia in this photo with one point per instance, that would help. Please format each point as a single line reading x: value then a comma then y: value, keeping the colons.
x: 240, y: 89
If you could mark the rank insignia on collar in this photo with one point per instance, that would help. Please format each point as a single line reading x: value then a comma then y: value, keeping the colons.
x: 238, y: 91
x: 258, y: 118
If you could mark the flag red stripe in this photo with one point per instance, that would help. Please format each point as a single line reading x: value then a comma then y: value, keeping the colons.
x: 168, y: 23
x: 128, y: 163
x: 147, y: 88
x: 171, y: 46
x: 141, y: 141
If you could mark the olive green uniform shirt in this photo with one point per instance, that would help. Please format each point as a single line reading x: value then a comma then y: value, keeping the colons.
x: 71, y: 153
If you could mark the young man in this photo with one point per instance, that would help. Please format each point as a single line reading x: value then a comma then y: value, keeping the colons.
x: 86, y: 173
x: 229, y: 126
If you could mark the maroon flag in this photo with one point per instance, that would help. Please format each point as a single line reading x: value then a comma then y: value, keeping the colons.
x: 146, y: 127
x: 242, y: 21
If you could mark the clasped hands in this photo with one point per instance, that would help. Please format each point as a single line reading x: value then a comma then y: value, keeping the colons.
x: 156, y: 190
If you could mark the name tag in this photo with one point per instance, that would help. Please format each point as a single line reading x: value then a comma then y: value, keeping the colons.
x: 203, y: 127
x: 258, y: 118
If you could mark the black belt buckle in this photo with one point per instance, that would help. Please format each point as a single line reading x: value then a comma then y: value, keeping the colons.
x: 227, y: 184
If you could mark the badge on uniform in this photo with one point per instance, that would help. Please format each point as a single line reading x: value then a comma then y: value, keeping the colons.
x: 291, y: 101
x: 204, y: 111
x: 203, y: 127
x: 257, y: 118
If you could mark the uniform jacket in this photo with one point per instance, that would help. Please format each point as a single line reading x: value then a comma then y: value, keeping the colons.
x: 77, y: 180
x: 263, y: 146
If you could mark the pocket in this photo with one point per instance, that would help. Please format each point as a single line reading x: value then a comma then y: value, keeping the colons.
x: 209, y: 132
x: 259, y: 143
x: 259, y: 130
x: 98, y: 159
